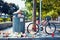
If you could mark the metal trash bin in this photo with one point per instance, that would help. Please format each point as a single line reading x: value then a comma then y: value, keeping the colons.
x: 18, y: 23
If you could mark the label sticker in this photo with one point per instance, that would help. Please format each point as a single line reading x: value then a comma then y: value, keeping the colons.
x: 21, y: 19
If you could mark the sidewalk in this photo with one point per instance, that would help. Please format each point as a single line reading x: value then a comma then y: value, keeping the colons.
x: 57, y: 34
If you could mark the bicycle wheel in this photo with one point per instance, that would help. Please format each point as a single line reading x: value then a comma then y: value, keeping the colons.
x: 50, y: 28
x: 29, y: 28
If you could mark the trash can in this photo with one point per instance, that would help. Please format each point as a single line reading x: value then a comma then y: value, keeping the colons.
x: 18, y: 23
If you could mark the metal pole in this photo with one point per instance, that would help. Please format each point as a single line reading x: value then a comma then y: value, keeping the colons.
x: 40, y: 18
x: 40, y: 11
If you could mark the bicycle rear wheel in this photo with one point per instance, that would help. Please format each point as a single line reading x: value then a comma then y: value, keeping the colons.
x: 50, y: 28
x: 29, y: 28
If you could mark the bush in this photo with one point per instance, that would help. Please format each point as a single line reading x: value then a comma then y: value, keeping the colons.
x: 53, y: 14
x: 44, y: 14
x: 8, y: 19
x: 4, y: 19
x: 1, y: 19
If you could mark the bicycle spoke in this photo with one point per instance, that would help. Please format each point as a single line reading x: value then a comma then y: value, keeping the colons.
x: 31, y: 29
x: 50, y: 29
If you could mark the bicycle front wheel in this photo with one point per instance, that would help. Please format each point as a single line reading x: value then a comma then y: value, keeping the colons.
x: 30, y: 28
x: 50, y: 28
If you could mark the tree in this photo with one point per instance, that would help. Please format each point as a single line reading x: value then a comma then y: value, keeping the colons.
x: 47, y: 5
x: 5, y: 8
x: 13, y: 8
x: 1, y: 3
x: 29, y: 6
x: 8, y: 8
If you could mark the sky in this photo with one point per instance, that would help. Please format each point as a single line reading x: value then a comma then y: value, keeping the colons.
x: 20, y: 3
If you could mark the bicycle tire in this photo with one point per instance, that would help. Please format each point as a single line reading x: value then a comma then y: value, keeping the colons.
x: 53, y: 26
x: 29, y: 25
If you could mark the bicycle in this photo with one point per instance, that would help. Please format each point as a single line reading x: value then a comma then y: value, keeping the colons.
x: 49, y: 27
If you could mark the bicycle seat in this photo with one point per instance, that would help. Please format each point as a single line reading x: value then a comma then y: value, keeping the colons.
x: 48, y: 18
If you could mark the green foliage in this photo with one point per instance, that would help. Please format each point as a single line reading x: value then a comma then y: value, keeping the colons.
x: 1, y: 19
x: 8, y: 19
x: 29, y: 6
x: 44, y: 14
x: 49, y: 7
x: 28, y: 14
x: 4, y: 19
x: 53, y: 14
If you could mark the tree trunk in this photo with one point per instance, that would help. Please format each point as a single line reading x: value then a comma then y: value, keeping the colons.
x: 34, y: 15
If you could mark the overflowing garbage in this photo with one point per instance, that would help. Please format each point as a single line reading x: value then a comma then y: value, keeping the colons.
x: 20, y: 35
x: 12, y: 35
